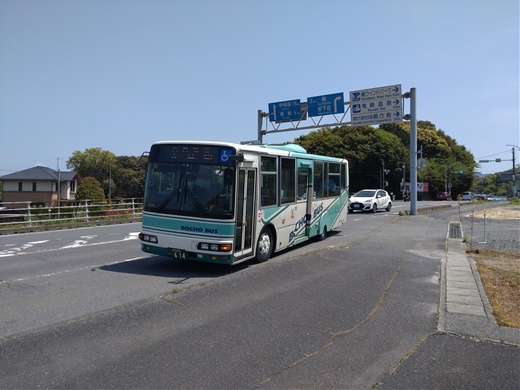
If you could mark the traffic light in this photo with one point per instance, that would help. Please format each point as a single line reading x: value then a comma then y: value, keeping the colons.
x: 461, y: 172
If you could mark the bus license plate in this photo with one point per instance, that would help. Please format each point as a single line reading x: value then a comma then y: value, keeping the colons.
x: 177, y: 253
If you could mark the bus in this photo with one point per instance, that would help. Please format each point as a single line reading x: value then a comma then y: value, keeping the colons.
x: 226, y: 203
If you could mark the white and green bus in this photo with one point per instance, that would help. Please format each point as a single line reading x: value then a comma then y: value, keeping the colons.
x: 226, y: 203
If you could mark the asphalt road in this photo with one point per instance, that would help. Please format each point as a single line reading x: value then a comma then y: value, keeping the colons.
x: 85, y: 309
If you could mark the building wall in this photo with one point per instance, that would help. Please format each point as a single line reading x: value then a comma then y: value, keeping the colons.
x: 27, y: 186
x: 45, y: 192
x: 18, y: 199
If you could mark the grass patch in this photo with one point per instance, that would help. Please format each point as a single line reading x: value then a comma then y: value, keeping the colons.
x: 500, y: 275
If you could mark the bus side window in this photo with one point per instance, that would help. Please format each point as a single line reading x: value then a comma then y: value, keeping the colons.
x: 268, y: 195
x: 268, y: 181
x: 318, y: 180
x: 302, y: 183
x: 288, y: 180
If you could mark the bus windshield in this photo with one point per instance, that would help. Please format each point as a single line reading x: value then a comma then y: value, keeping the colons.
x: 199, y: 190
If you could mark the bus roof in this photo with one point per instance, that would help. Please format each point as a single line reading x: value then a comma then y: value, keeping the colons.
x: 293, y: 150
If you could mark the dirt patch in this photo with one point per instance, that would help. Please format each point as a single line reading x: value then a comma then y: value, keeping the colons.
x: 502, y: 212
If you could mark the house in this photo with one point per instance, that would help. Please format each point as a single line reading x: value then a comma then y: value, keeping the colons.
x: 39, y: 185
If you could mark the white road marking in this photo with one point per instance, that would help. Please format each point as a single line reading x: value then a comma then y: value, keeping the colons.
x: 70, y: 270
x: 17, y: 250
x: 76, y: 244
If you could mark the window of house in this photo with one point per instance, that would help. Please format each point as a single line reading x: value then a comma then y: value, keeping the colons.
x: 72, y: 186
x: 34, y: 185
x: 268, y: 188
x: 20, y: 188
x: 288, y: 180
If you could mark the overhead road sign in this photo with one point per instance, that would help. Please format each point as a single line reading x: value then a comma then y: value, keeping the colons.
x: 326, y: 104
x: 496, y: 160
x: 376, y: 105
x: 288, y: 110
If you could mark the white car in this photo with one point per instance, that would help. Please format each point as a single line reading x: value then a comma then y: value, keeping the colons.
x: 370, y: 200
x: 466, y: 195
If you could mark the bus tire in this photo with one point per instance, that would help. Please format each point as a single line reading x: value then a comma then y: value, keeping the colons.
x: 323, y: 235
x: 264, y: 247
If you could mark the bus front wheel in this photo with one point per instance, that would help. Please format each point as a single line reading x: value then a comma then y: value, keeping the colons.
x: 264, y: 247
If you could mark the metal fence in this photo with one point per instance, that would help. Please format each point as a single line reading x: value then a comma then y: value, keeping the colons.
x: 32, y: 214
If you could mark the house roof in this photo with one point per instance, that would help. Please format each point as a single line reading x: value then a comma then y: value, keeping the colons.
x: 41, y: 174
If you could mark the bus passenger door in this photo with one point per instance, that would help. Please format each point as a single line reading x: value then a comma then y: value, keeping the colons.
x: 305, y: 187
x: 245, y: 212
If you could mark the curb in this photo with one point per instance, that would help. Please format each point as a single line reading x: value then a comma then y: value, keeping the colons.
x: 468, y: 322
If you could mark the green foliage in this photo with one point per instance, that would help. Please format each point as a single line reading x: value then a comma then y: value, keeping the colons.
x: 128, y: 176
x: 90, y: 189
x: 121, y: 176
x: 94, y: 162
x: 367, y: 148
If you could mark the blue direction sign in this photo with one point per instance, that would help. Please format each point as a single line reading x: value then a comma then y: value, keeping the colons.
x: 376, y: 105
x: 285, y: 111
x: 326, y: 104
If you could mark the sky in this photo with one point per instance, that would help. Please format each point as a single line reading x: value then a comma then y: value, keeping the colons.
x: 122, y: 74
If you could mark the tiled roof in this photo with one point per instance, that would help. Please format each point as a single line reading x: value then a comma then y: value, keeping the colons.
x: 40, y: 174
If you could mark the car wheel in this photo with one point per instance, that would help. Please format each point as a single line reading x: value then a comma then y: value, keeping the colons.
x: 374, y: 208
x: 350, y: 211
x: 389, y: 207
x: 264, y: 247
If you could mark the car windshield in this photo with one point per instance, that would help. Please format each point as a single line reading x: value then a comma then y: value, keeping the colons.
x: 365, y: 194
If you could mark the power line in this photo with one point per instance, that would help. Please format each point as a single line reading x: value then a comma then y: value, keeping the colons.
x: 496, y: 154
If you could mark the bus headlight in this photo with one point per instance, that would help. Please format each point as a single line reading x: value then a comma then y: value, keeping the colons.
x: 204, y: 246
x: 148, y: 238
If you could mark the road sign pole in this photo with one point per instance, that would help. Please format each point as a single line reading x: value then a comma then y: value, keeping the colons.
x: 260, y: 122
x: 413, y: 152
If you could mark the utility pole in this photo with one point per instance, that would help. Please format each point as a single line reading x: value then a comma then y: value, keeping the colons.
x: 59, y: 186
x: 514, y: 174
x: 404, y: 179
x: 501, y: 160
x: 412, y: 95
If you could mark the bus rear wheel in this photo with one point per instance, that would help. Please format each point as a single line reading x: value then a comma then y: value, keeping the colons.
x: 264, y: 248
x: 323, y: 235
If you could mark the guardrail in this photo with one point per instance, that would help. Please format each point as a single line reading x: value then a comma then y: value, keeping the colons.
x: 32, y: 216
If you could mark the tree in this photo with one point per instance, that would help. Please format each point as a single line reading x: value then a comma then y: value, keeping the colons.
x: 129, y: 175
x: 94, y: 162
x: 367, y: 148
x: 90, y: 189
x: 445, y: 157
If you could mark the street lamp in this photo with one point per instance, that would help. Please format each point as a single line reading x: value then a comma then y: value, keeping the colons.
x: 514, y: 178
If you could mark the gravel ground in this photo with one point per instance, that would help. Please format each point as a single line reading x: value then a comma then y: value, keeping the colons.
x: 501, y: 235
